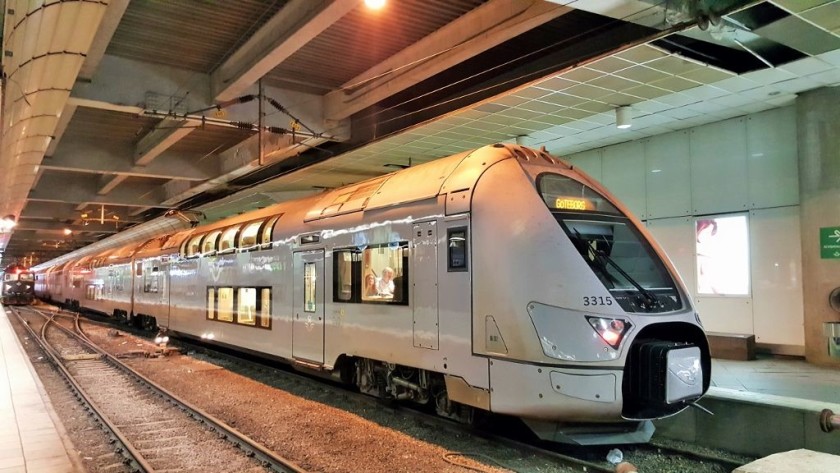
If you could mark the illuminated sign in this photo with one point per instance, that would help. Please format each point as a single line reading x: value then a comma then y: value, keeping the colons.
x: 571, y: 203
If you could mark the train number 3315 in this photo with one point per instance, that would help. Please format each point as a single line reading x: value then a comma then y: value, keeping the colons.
x: 597, y: 300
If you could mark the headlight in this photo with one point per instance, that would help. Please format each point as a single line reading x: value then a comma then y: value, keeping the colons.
x: 611, y: 330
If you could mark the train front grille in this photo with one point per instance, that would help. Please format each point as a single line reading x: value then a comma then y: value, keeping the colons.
x: 661, y: 378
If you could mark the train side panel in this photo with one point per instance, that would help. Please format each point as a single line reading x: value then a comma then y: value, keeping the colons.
x: 151, y: 290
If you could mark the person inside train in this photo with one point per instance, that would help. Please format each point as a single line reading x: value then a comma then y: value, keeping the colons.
x: 385, y: 284
x: 370, y: 289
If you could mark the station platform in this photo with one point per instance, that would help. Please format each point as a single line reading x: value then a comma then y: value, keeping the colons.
x: 761, y: 407
x: 786, y: 376
x: 32, y: 438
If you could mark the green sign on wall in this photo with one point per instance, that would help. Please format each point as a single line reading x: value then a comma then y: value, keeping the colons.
x: 830, y: 243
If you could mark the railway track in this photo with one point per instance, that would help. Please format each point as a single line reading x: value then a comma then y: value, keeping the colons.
x: 649, y: 457
x: 153, y: 429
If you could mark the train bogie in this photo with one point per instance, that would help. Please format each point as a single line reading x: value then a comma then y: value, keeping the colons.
x: 501, y: 280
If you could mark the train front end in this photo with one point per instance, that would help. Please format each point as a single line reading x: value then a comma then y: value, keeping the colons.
x: 18, y: 286
x: 591, y: 334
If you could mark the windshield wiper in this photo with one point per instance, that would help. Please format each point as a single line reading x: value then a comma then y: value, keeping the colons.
x: 647, y: 295
x: 595, y: 262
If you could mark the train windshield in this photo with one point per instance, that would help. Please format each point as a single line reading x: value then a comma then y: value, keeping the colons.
x: 26, y: 277
x: 613, y: 248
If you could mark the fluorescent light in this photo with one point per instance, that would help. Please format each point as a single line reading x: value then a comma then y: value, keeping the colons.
x: 623, y: 117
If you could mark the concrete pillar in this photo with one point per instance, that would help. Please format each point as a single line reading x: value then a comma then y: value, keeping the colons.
x: 818, y: 122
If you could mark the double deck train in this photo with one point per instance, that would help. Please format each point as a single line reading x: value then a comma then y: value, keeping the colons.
x: 500, y: 279
x: 18, y: 287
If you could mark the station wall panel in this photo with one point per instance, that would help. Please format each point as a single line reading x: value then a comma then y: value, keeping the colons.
x: 668, y: 175
x: 772, y: 158
x: 590, y: 162
x: 776, y: 273
x: 676, y: 236
x: 726, y: 314
x: 625, y: 175
x: 719, y: 167
x: 743, y: 164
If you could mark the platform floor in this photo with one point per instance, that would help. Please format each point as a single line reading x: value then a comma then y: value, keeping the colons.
x: 789, y: 377
x: 30, y: 439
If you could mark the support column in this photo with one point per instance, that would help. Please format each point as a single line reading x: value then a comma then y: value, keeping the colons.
x: 818, y: 119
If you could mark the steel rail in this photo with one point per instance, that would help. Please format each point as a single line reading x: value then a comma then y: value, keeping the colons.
x: 728, y: 463
x: 447, y: 424
x: 257, y: 368
x: 124, y: 446
x: 251, y: 447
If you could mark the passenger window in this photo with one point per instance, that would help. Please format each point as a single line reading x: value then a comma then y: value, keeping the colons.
x: 384, y: 273
x: 151, y: 280
x: 457, y: 251
x: 209, y: 244
x: 211, y: 303
x: 248, y: 238
x: 265, y: 237
x: 265, y: 307
x: 225, y: 310
x: 228, y: 239
x: 309, y: 287
x: 194, y: 246
x: 346, y: 264
x: 246, y: 312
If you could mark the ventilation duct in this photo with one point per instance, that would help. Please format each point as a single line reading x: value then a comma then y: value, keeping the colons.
x: 45, y: 44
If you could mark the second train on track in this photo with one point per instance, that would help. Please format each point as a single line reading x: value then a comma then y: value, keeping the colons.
x: 18, y: 286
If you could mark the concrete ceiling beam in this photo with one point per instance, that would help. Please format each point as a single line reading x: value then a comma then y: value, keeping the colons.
x: 86, y: 157
x: 165, y: 134
x: 56, y: 188
x: 475, y: 32
x: 297, y: 23
x: 107, y: 27
x: 123, y: 85
x: 109, y: 182
x: 50, y: 228
x: 48, y: 211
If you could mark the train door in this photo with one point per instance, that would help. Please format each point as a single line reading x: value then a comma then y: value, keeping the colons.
x: 308, y: 299
x: 424, y: 271
x: 165, y: 297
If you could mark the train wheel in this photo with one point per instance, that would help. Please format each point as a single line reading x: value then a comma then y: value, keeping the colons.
x: 445, y: 407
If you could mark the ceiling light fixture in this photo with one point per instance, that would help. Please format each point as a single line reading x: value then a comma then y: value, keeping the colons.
x: 623, y: 117
x: 374, y: 4
x: 7, y: 223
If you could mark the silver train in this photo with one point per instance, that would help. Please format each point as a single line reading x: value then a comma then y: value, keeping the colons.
x: 501, y: 280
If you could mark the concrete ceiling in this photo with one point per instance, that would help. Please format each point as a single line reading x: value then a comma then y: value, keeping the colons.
x: 161, y: 112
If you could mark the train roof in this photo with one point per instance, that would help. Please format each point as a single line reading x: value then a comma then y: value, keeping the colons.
x: 456, y: 173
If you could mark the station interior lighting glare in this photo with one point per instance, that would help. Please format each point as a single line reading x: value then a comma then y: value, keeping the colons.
x: 7, y: 223
x: 374, y: 4
x: 623, y: 117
